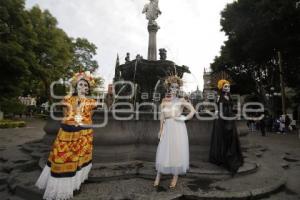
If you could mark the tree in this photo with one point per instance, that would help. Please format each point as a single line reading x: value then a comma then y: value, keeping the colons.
x: 257, y: 30
x: 83, y: 56
x: 34, y: 52
x: 16, y: 37
x: 53, y: 49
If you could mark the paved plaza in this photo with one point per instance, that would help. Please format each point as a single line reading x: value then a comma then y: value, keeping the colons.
x: 274, y: 153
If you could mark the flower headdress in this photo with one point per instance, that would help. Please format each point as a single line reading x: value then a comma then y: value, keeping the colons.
x: 85, y: 76
x: 220, y: 79
x: 221, y: 83
x: 173, y: 79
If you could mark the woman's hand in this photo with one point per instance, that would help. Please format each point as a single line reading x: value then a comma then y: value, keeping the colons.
x: 190, y: 107
x: 159, y: 134
x: 181, y: 118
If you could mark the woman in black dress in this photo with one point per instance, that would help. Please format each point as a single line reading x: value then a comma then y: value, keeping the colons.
x: 225, y: 148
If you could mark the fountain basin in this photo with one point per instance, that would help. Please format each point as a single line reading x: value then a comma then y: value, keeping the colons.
x: 127, y: 140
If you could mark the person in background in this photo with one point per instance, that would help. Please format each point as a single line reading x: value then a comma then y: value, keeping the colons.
x: 287, y: 123
x: 276, y: 125
x: 281, y: 124
x: 269, y: 123
x: 251, y: 125
x: 262, y: 125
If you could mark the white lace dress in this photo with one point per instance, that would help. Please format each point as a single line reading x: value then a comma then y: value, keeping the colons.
x: 172, y: 156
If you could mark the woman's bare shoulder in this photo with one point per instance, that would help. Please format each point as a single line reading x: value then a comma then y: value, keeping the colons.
x: 164, y: 101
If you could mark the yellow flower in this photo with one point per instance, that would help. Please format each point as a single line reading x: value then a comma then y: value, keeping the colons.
x: 221, y: 83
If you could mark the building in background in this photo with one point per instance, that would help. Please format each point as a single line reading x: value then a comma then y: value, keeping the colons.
x: 210, y: 94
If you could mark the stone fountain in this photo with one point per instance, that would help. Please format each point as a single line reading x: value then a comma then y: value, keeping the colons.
x: 135, y: 140
x: 147, y: 75
x: 124, y: 150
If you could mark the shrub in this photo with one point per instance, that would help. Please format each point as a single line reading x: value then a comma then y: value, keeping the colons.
x: 12, y: 124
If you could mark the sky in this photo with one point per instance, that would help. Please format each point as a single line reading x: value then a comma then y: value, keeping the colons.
x: 190, y: 31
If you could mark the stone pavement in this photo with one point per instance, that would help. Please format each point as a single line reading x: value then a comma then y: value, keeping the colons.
x: 284, y: 151
x: 10, y: 139
x: 277, y: 156
x: 16, y: 136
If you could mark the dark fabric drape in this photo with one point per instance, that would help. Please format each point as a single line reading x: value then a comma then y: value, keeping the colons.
x: 225, y: 148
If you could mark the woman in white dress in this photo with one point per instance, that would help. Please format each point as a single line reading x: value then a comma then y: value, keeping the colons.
x: 172, y: 156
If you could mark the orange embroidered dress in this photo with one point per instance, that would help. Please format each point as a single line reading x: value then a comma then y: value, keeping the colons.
x: 70, y: 159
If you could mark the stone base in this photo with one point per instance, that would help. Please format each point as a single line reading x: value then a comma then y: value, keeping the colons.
x: 121, y: 141
x: 140, y: 169
x: 134, y: 179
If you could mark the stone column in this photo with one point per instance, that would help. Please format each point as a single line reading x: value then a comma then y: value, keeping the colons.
x: 152, y: 49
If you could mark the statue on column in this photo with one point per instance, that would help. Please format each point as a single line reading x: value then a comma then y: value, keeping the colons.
x: 127, y: 58
x: 152, y: 11
x: 163, y: 54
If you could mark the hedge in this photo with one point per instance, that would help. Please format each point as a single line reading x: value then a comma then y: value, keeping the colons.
x: 11, y: 124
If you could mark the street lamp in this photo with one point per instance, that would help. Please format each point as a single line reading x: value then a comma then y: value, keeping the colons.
x: 282, y: 85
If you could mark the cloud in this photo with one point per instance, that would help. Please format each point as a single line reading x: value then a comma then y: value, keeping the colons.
x: 190, y: 30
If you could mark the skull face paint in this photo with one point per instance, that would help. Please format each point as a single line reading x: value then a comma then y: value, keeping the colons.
x: 174, y: 88
x: 82, y: 88
x: 226, y: 88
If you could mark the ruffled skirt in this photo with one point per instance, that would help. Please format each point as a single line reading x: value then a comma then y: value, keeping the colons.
x: 69, y: 163
x: 172, y: 156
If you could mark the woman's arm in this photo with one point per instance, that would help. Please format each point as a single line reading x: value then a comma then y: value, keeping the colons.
x: 66, y: 105
x: 162, y: 119
x: 190, y: 107
x: 93, y: 104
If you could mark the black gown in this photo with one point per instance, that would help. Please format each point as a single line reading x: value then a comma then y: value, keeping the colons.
x: 225, y: 148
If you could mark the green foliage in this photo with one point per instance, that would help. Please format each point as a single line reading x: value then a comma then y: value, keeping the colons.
x: 12, y: 106
x: 34, y: 52
x: 12, y: 124
x: 15, y: 48
x: 257, y: 30
x: 83, y: 56
x: 52, y: 49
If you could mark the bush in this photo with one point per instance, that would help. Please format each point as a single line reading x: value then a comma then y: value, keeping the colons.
x: 12, y: 106
x: 42, y: 116
x: 12, y: 124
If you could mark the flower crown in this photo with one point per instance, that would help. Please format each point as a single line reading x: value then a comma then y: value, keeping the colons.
x: 173, y: 79
x: 221, y: 83
x: 219, y: 79
x: 85, y: 76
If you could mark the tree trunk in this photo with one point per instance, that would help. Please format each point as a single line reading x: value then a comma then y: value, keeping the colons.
x: 47, y: 90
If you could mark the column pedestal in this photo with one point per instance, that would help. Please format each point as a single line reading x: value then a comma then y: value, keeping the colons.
x: 152, y: 49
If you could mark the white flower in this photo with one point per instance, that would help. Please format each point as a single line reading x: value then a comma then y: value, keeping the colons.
x: 88, y: 73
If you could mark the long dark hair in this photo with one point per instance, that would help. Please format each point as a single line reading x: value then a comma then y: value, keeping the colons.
x: 75, y: 91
